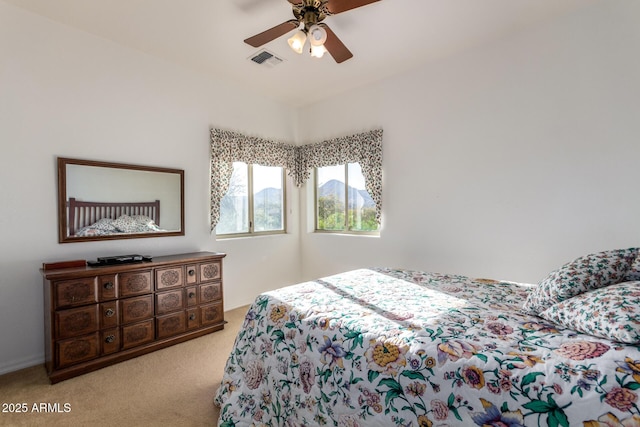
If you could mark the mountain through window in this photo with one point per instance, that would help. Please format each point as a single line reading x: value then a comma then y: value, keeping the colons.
x: 342, y: 202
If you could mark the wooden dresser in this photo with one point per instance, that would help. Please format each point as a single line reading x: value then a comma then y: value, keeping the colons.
x: 98, y: 316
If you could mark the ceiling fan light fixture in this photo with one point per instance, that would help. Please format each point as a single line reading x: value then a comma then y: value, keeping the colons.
x: 317, y: 35
x: 318, y: 51
x: 297, y: 41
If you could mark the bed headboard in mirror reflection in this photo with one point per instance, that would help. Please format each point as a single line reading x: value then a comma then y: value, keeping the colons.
x: 105, y: 201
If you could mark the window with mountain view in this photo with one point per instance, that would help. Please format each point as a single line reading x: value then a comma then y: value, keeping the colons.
x: 342, y: 202
x: 254, y: 203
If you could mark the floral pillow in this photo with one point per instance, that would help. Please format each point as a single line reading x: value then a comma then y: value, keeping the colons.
x: 126, y: 224
x: 135, y: 224
x: 101, y: 227
x: 581, y: 275
x: 634, y: 270
x: 612, y: 312
x: 104, y: 224
x: 143, y: 220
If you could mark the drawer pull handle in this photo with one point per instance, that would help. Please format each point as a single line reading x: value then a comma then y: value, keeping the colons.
x: 110, y: 312
x: 110, y: 339
x: 192, y: 316
x: 192, y: 294
x: 191, y: 272
x: 108, y: 285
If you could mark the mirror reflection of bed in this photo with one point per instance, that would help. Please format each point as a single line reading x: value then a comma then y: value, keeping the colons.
x: 107, y: 218
x: 104, y: 200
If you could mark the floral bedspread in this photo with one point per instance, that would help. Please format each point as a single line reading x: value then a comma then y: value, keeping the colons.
x: 385, y: 347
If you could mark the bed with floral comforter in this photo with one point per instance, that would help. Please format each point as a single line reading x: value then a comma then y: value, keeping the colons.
x: 122, y: 224
x: 387, y: 347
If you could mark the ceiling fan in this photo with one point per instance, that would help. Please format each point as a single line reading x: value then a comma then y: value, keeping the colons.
x: 309, y: 15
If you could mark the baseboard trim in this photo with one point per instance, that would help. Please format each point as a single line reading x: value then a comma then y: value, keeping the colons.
x: 17, y: 365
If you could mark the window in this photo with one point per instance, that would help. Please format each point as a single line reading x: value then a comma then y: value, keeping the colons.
x: 228, y: 147
x: 254, y: 203
x: 342, y: 202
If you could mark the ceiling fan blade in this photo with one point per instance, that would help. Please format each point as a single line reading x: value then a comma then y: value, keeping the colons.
x: 335, y: 47
x: 272, y: 33
x: 339, y: 6
x: 295, y: 1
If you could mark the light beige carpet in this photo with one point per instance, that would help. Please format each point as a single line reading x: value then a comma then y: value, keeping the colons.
x: 170, y: 387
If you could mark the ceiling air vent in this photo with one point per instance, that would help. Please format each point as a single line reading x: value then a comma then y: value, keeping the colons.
x: 264, y: 57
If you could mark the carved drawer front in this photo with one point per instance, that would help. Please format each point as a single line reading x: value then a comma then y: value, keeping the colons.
x: 138, y: 308
x: 210, y: 271
x: 166, y: 302
x: 108, y: 287
x: 135, y: 283
x: 191, y: 296
x: 109, y: 314
x: 110, y: 340
x: 76, y: 292
x: 211, y: 314
x: 137, y: 334
x: 169, y: 278
x: 76, y: 321
x: 210, y: 292
x: 171, y: 324
x: 192, y: 274
x: 77, y: 350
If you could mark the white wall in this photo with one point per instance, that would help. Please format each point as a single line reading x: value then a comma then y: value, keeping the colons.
x: 505, y: 161
x: 67, y: 93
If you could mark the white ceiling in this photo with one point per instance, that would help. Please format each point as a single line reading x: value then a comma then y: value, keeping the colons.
x: 386, y: 37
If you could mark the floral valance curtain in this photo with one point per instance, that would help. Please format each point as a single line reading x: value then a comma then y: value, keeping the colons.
x: 228, y: 147
x: 364, y: 148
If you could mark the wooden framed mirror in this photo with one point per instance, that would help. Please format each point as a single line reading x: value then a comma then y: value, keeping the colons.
x: 106, y: 201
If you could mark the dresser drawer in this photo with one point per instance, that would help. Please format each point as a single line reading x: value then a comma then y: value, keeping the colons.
x: 210, y: 292
x: 171, y: 324
x: 108, y: 287
x: 77, y: 350
x: 193, y: 318
x: 191, y: 296
x: 110, y: 339
x: 109, y: 314
x: 211, y: 314
x: 166, y: 302
x: 69, y: 293
x: 134, y: 283
x: 192, y: 274
x: 137, y: 334
x: 210, y: 271
x: 169, y: 278
x: 137, y: 308
x: 76, y: 321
